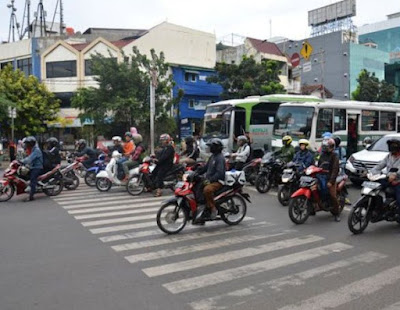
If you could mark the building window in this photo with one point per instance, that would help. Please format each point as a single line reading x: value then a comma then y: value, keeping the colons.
x: 60, y: 69
x: 190, y: 77
x: 370, y: 120
x: 25, y: 65
x: 4, y: 64
x: 88, y: 67
x: 65, y: 99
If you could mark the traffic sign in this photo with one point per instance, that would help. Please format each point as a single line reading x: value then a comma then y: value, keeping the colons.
x: 307, y: 66
x: 295, y: 60
x: 306, y: 50
x: 12, y: 112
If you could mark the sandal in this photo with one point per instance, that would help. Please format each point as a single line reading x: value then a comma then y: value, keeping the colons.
x: 158, y: 193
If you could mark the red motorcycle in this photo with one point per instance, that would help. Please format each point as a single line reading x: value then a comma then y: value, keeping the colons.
x: 230, y: 202
x: 16, y: 178
x: 309, y: 198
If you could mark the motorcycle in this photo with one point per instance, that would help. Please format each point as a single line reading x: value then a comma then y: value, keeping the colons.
x: 251, y: 168
x: 142, y: 176
x: 230, y: 201
x: 270, y: 174
x: 79, y: 168
x: 290, y: 183
x: 377, y: 203
x: 309, y: 198
x: 16, y: 179
x: 70, y: 179
x: 99, y: 165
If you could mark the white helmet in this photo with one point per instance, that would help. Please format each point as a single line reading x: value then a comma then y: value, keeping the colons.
x: 117, y: 138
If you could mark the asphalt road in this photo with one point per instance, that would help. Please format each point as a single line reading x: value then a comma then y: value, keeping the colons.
x: 90, y: 250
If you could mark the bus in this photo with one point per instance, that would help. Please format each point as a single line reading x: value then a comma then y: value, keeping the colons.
x: 254, y: 115
x: 352, y: 121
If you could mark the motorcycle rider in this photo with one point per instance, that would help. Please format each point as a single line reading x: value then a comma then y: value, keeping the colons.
x: 391, y: 161
x: 84, y: 150
x: 51, y: 156
x: 303, y: 157
x: 35, y: 160
x: 329, y: 161
x: 135, y: 158
x: 286, y: 153
x: 215, y: 175
x: 243, y: 153
x: 117, y: 145
x: 191, y: 152
x: 165, y: 161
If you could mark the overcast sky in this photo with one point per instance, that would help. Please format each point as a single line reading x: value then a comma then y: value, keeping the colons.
x: 222, y: 17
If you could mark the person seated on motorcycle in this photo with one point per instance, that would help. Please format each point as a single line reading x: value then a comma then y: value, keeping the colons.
x: 191, y: 153
x: 84, y: 150
x: 51, y: 156
x: 164, y: 161
x: 286, y: 153
x: 117, y: 145
x: 135, y: 158
x: 304, y: 158
x: 329, y: 161
x: 129, y: 145
x: 340, y: 152
x: 214, y: 174
x: 35, y: 160
x: 391, y: 161
x: 243, y: 153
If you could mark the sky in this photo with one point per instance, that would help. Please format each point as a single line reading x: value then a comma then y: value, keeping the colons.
x: 250, y: 18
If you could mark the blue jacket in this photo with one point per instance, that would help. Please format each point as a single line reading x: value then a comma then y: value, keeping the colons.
x: 305, y: 158
x: 341, y: 153
x: 35, y: 160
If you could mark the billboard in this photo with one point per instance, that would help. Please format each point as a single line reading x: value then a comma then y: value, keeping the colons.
x: 332, y: 12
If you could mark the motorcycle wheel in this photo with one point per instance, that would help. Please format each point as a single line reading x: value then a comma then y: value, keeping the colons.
x: 58, y: 187
x: 90, y: 178
x: 299, y: 209
x: 358, y: 218
x: 75, y: 182
x: 284, y: 195
x: 171, y: 218
x: 103, y: 184
x: 6, y: 193
x: 233, y: 210
x: 135, y: 185
x: 263, y: 183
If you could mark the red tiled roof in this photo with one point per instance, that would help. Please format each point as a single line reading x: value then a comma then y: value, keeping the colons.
x: 119, y: 44
x: 80, y: 46
x: 265, y: 47
x: 309, y: 89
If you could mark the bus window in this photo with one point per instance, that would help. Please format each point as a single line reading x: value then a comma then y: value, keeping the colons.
x: 388, y: 121
x: 398, y: 124
x: 263, y: 113
x: 294, y: 121
x: 324, y: 122
x: 339, y: 119
x: 240, y: 121
x: 370, y: 120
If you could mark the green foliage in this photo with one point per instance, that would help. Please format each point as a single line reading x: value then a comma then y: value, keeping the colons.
x: 34, y: 103
x: 122, y: 99
x: 371, y: 89
x: 248, y: 78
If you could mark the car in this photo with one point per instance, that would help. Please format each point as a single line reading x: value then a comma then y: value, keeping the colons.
x: 360, y: 163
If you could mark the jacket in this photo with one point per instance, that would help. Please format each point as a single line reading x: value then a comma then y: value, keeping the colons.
x: 35, y: 159
x: 243, y: 153
x: 286, y: 153
x: 305, y: 158
x: 214, y: 169
x: 388, y: 162
x: 51, y: 158
x: 87, y: 151
x: 192, y: 151
x: 166, y: 156
x: 129, y: 147
x: 330, y: 162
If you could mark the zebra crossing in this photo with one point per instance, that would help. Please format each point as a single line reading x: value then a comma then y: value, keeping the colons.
x: 206, y: 266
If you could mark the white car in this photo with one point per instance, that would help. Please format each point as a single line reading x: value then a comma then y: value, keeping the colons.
x: 360, y: 163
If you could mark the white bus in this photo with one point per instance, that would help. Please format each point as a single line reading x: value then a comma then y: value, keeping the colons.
x: 352, y: 121
x: 256, y: 115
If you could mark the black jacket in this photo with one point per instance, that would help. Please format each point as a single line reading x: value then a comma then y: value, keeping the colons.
x: 214, y: 169
x: 87, y: 151
x: 165, y: 157
x: 51, y: 158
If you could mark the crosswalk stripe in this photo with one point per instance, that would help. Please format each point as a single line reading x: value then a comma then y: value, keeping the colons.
x: 119, y: 220
x: 236, y: 297
x: 78, y: 192
x: 205, y: 231
x: 114, y: 208
x: 180, y: 238
x: 110, y: 214
x: 229, y: 256
x: 87, y: 196
x: 395, y: 306
x: 108, y: 203
x: 198, y: 247
x: 214, y: 278
x: 349, y: 292
x: 107, y: 198
x: 123, y: 227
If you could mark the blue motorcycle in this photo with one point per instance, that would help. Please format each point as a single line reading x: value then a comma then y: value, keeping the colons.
x: 99, y: 165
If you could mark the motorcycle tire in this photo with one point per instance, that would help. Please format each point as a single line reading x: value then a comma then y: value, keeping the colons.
x: 90, y: 178
x: 75, y: 182
x: 8, y: 191
x: 233, y: 208
x: 358, y: 215
x: 284, y: 195
x: 299, y: 209
x: 59, y: 185
x: 135, y: 189
x: 103, y: 184
x: 263, y: 183
x: 171, y: 216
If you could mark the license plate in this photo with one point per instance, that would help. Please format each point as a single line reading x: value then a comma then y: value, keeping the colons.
x: 371, y: 185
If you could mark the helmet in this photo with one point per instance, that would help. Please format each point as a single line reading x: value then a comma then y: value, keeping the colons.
x: 326, y: 135
x: 29, y: 141
x: 189, y: 139
x: 137, y: 138
x: 52, y: 142
x: 328, y: 145
x: 367, y: 141
x: 393, y: 145
x: 117, y: 138
x: 242, y: 138
x: 82, y: 143
x: 215, y: 145
x: 165, y: 137
x: 128, y: 134
x: 337, y: 141
x: 287, y: 140
x: 305, y: 142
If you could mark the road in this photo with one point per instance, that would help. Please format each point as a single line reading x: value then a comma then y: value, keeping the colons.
x: 90, y: 250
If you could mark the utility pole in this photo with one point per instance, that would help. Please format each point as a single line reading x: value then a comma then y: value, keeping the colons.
x: 61, y: 18
x: 153, y: 86
x: 41, y: 14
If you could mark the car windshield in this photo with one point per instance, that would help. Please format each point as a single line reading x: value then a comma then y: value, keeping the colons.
x: 294, y: 121
x: 380, y: 145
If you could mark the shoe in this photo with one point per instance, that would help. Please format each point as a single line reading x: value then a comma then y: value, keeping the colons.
x: 28, y: 189
x: 213, y: 214
x: 29, y: 199
x: 158, y: 193
x: 312, y: 212
x: 337, y: 218
x: 347, y: 201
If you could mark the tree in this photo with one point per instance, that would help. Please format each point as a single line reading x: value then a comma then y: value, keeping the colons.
x: 34, y: 103
x: 122, y: 98
x: 248, y: 78
x: 371, y: 89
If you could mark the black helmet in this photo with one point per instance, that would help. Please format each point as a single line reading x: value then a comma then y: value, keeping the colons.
x: 82, y: 143
x: 337, y: 141
x: 189, y: 139
x: 52, y: 142
x: 215, y: 145
x: 128, y: 134
x: 393, y: 145
x: 30, y: 141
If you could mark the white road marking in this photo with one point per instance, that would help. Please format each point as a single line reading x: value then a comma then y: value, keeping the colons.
x: 119, y: 220
x: 110, y: 214
x: 108, y: 198
x: 108, y: 203
x: 88, y: 196
x: 123, y: 227
x: 120, y: 207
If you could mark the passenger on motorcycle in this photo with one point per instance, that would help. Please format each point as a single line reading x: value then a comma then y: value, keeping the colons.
x: 129, y: 145
x: 215, y: 174
x: 191, y: 153
x: 117, y: 145
x: 391, y: 161
x: 164, y: 161
x: 136, y: 157
x: 242, y: 154
x: 51, y: 156
x: 304, y: 158
x: 84, y: 150
x: 329, y: 161
x: 35, y: 160
x: 340, y: 152
x: 286, y: 153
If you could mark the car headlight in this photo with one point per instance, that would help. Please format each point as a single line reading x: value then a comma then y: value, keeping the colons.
x: 351, y: 159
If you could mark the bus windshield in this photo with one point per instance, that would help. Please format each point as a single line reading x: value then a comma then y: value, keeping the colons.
x: 294, y: 121
x: 217, y: 126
